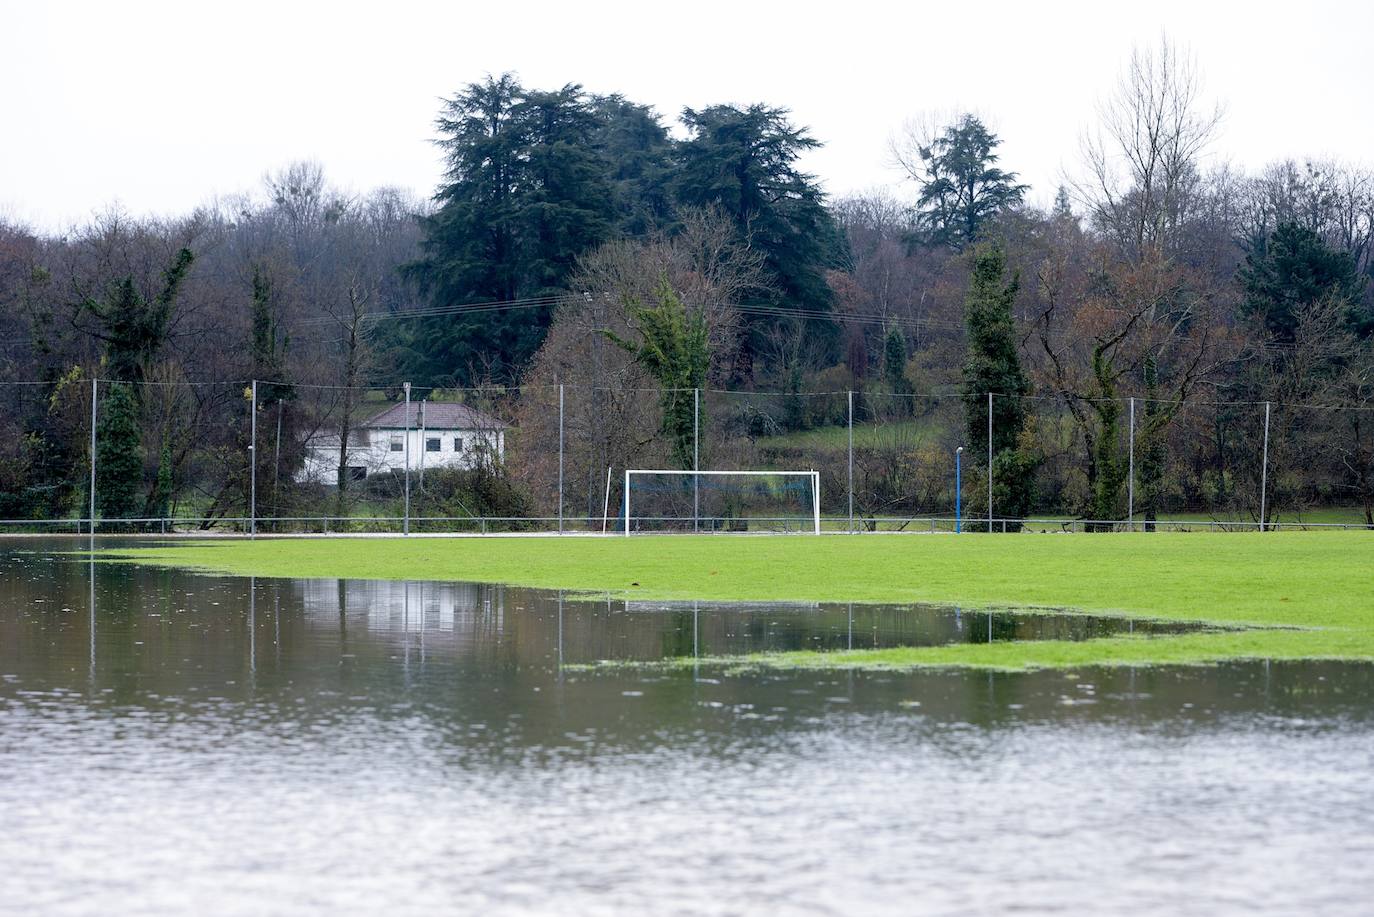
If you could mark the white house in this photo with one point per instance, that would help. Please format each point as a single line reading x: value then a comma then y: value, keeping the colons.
x: 442, y: 435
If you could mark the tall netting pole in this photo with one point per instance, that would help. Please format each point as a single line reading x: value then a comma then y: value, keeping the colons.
x: 851, y: 461
x: 989, y: 463
x: 560, y: 458
x: 253, y: 465
x: 1264, y: 468
x: 1130, y: 475
x: 696, y: 459
x: 94, y: 390
x: 405, y: 526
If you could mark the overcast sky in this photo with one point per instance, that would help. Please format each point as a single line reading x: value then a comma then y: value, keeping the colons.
x: 161, y: 106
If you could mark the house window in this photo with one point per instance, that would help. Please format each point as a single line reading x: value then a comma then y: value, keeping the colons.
x: 432, y: 444
x: 398, y: 443
x: 357, y: 472
x: 457, y: 444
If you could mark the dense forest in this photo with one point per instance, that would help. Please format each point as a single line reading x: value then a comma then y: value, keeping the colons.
x: 1143, y: 338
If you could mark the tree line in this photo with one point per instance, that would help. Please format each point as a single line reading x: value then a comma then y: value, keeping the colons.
x: 583, y: 240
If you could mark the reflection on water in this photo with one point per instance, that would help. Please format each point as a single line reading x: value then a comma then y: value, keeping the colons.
x: 171, y: 742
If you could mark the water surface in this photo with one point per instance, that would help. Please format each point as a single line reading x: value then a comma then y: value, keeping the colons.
x: 172, y: 742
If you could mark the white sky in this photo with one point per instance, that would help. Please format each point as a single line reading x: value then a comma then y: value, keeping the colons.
x: 160, y: 106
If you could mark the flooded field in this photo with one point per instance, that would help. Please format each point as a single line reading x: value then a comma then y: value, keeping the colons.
x: 172, y: 742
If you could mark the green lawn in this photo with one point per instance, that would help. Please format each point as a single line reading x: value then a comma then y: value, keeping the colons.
x: 1322, y: 515
x: 1312, y: 592
x: 867, y: 434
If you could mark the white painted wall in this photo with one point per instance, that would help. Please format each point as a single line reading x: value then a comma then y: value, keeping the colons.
x: 377, y: 455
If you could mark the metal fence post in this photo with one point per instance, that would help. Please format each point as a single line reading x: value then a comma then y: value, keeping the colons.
x: 1130, y: 479
x: 560, y: 458
x: 958, y: 490
x: 989, y: 463
x: 405, y: 528
x: 94, y: 392
x: 253, y: 465
x: 1264, y: 468
x: 696, y: 459
x: 851, y: 461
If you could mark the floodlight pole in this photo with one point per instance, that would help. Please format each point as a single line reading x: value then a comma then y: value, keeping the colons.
x: 94, y: 387
x: 253, y: 465
x: 560, y: 458
x: 405, y: 527
x: 696, y: 459
x: 851, y: 461
x: 958, y: 488
x: 1130, y: 479
x: 1264, y: 468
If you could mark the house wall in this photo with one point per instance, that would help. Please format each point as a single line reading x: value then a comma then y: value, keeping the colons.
x: 376, y: 455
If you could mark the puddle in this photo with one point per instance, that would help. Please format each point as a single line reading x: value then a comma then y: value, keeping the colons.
x: 688, y: 629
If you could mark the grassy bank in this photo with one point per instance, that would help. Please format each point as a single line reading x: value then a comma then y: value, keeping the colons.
x: 1319, y: 586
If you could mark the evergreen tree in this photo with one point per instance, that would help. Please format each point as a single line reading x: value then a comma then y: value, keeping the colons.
x: 563, y: 204
x: 743, y: 162
x: 119, y: 454
x: 894, y: 373
x: 674, y: 349
x: 471, y: 250
x: 994, y: 365
x: 962, y: 187
x: 524, y: 195
x: 1151, y: 446
x: 894, y: 360
x: 637, y: 153
x: 1293, y: 269
x: 1062, y: 209
x: 134, y: 328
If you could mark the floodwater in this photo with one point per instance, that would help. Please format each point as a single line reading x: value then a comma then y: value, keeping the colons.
x: 174, y: 743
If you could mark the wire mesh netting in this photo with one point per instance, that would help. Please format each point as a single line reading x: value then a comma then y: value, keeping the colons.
x: 233, y: 456
x: 688, y: 501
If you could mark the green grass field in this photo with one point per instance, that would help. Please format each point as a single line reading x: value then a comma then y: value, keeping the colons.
x: 1311, y: 594
x: 867, y: 434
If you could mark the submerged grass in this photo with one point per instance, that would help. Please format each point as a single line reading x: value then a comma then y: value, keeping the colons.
x: 1310, y: 593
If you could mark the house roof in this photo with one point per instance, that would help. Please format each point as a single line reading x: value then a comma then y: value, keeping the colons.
x: 438, y: 415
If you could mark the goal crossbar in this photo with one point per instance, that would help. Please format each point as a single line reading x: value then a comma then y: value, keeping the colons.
x: 813, y: 476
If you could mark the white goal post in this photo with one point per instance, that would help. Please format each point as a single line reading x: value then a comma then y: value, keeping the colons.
x: 813, y: 479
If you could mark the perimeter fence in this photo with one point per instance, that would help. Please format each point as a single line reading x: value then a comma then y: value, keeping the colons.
x: 257, y: 457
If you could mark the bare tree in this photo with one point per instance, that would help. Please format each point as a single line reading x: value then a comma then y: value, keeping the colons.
x: 350, y: 318
x: 1142, y: 161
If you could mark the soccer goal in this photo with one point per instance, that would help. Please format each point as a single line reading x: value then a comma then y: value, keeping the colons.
x: 664, y: 500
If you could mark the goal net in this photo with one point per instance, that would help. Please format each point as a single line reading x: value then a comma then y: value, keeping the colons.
x: 659, y: 500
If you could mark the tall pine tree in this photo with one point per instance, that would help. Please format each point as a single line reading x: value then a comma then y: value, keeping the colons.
x: 1293, y: 269
x: 118, y: 454
x: 525, y: 193
x: 962, y: 187
x: 743, y: 162
x: 637, y: 155
x: 133, y: 327
x: 993, y: 365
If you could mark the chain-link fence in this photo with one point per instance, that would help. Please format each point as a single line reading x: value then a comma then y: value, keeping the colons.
x: 267, y: 458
